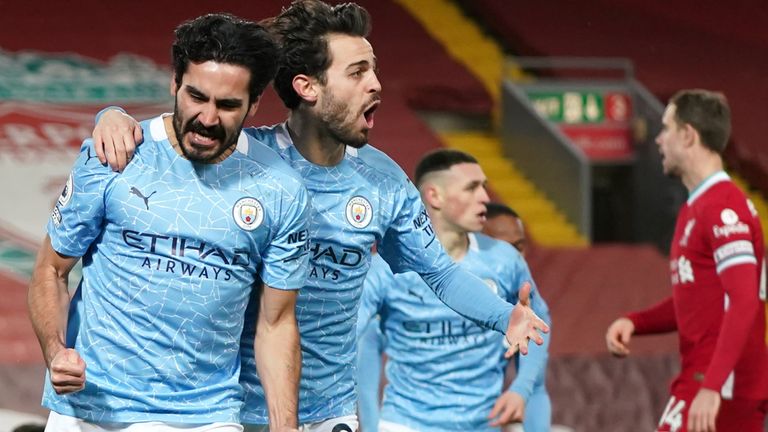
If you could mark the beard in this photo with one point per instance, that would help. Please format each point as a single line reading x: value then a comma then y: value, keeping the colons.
x: 334, y: 116
x: 182, y: 126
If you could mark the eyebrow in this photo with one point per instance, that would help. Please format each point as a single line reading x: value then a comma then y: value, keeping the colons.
x: 197, y: 92
x: 362, y: 63
x: 476, y: 183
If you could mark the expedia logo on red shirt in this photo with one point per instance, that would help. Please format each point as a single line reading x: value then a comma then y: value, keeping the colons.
x: 731, y: 225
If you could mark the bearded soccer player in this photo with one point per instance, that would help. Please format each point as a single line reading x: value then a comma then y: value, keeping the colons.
x: 360, y: 197
x: 444, y: 372
x: 173, y: 250
x: 718, y: 280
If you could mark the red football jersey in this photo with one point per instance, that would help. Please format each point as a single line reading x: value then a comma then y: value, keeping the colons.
x: 718, y: 291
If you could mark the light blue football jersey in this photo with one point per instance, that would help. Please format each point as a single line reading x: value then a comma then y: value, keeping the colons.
x: 171, y: 250
x: 445, y: 372
x: 363, y: 201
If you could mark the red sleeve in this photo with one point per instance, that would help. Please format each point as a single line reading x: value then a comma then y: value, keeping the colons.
x: 659, y: 318
x: 741, y: 286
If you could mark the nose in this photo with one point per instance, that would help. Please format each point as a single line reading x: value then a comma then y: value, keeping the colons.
x: 375, y: 86
x: 209, y: 115
x: 484, y: 197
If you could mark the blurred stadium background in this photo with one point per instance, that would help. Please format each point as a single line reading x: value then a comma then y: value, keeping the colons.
x: 560, y: 101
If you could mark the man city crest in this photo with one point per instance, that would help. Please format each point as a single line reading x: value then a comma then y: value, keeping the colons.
x: 359, y: 212
x: 248, y: 213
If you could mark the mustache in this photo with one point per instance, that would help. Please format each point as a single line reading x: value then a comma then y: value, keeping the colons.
x: 375, y: 98
x: 216, y: 132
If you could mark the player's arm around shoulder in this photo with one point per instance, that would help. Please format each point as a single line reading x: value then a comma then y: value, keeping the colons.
x: 115, y: 137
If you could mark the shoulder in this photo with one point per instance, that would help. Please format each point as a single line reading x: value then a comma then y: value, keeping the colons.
x: 376, y: 165
x: 261, y: 160
x: 723, y: 198
x: 266, y: 135
x: 492, y: 246
x: 154, y: 131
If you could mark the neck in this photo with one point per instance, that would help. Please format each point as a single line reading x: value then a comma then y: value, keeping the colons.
x: 700, y: 169
x: 454, y: 241
x: 310, y: 142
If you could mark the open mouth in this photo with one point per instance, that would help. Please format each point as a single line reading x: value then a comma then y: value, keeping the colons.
x: 202, y: 136
x: 368, y: 114
x: 202, y: 140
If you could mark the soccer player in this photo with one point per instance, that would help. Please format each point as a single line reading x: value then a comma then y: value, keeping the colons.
x: 172, y: 250
x: 445, y: 372
x: 360, y: 198
x: 503, y: 223
x: 718, y: 280
x: 370, y: 365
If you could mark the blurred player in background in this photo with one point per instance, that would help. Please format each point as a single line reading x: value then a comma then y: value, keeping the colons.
x: 717, y: 269
x: 360, y: 197
x: 503, y: 223
x: 444, y: 372
x: 173, y: 248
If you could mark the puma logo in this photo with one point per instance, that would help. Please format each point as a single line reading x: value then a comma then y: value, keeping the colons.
x: 141, y: 195
x: 412, y: 292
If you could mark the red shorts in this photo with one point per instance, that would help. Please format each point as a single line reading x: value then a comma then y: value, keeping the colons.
x: 737, y: 415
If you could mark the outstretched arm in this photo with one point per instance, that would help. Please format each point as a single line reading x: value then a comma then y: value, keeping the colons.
x: 278, y: 356
x: 48, y: 302
x: 659, y: 318
x: 115, y: 137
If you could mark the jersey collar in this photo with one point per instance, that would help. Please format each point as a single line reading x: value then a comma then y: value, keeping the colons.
x: 704, y: 186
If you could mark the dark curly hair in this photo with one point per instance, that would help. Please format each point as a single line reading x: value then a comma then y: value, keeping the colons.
x: 225, y: 38
x: 301, y: 30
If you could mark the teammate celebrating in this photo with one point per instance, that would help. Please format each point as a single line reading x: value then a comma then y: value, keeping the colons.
x: 718, y: 280
x: 360, y: 198
x: 171, y: 250
x: 444, y: 372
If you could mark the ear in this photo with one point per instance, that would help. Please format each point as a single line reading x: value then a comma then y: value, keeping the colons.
x: 254, y: 106
x: 690, y: 134
x: 306, y: 87
x: 432, y: 195
x: 174, y: 88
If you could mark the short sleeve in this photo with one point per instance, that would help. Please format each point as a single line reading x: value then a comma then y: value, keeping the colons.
x: 285, y: 261
x: 78, y: 217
